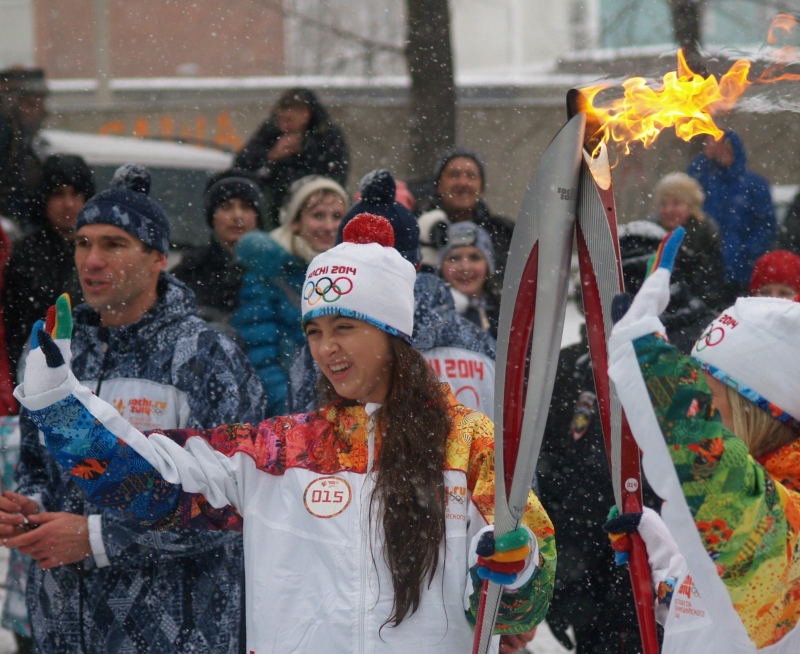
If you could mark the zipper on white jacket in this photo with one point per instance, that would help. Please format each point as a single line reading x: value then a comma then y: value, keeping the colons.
x: 370, y: 408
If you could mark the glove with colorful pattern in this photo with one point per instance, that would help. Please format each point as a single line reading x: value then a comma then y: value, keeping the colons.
x: 510, y: 559
x: 47, y: 365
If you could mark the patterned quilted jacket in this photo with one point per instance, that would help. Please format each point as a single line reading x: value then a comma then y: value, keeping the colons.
x: 144, y: 591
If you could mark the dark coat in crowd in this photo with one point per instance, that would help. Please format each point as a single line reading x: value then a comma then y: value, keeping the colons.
x: 483, y: 312
x: 591, y: 593
x: 20, y: 175
x: 175, y: 590
x: 739, y: 201
x: 324, y: 153
x: 789, y: 238
x: 42, y: 267
x: 215, y: 277
x: 699, y: 262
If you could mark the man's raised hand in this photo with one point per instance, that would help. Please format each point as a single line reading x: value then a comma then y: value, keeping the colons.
x: 47, y: 365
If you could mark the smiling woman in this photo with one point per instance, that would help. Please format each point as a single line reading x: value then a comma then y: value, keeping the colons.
x: 275, y: 263
x: 376, y: 510
x: 467, y: 264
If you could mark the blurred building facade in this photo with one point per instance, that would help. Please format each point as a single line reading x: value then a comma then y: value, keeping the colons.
x: 728, y: 23
x: 148, y: 38
x: 491, y: 39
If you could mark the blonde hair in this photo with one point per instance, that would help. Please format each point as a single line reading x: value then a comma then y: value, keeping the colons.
x: 760, y: 431
x: 686, y: 188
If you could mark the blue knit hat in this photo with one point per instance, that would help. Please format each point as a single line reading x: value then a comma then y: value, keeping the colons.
x: 126, y: 205
x: 377, y: 197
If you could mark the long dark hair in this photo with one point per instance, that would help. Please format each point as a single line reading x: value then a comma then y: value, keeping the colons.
x: 409, y: 489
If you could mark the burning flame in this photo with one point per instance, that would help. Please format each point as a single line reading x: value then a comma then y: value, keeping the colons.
x: 685, y: 101
x: 783, y: 22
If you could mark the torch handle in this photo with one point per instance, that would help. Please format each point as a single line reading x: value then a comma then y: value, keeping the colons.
x: 639, y: 570
x: 641, y: 583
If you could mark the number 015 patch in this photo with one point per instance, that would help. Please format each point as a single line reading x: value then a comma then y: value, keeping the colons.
x: 326, y: 497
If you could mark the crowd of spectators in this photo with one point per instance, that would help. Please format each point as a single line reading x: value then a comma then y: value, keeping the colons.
x: 219, y: 339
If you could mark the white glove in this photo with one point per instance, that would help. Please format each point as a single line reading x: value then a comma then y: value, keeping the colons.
x: 47, y: 365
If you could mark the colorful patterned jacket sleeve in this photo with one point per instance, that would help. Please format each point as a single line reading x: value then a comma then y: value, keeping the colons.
x: 117, y: 477
x: 526, y: 607
x: 748, y: 521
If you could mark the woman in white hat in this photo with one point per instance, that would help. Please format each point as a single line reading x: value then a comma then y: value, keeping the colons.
x: 268, y: 317
x: 364, y: 520
x: 720, y: 434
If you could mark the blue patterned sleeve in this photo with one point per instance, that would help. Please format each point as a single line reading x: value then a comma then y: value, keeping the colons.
x: 113, y: 475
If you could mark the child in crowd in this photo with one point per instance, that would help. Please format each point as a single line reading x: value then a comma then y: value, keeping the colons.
x: 467, y: 264
x: 367, y: 523
x: 234, y: 207
x: 776, y: 274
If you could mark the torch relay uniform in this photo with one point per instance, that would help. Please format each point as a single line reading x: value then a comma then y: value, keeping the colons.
x: 315, y: 572
x: 177, y: 590
x: 735, y: 519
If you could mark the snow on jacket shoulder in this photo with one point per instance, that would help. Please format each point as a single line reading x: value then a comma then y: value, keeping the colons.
x: 746, y: 512
x: 268, y: 317
x: 168, y: 370
x: 302, y: 484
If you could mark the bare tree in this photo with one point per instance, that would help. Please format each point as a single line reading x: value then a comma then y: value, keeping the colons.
x: 433, y: 94
x: 686, y: 21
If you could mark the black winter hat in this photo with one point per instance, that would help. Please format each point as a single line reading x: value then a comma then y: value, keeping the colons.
x: 377, y: 197
x: 126, y: 205
x: 66, y: 170
x: 638, y: 241
x: 453, y: 153
x: 230, y: 184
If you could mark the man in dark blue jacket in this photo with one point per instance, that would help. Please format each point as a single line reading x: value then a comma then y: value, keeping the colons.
x: 739, y: 201
x: 104, y: 583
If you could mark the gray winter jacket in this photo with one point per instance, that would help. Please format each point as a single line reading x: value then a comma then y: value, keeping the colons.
x: 145, y: 591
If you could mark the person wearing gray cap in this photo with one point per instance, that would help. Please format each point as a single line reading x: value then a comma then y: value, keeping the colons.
x: 467, y: 264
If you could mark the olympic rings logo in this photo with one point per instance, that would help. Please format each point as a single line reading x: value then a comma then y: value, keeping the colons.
x: 326, y: 289
x: 710, y: 338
